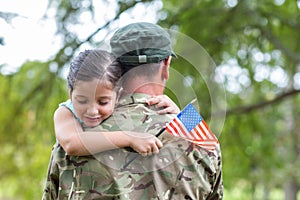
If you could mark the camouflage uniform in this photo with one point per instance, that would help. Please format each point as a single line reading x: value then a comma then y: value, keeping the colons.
x: 180, y: 171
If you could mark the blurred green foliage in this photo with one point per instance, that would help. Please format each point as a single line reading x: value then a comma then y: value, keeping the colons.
x: 254, y: 58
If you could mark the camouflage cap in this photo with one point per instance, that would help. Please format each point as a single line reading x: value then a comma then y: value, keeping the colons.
x: 140, y: 43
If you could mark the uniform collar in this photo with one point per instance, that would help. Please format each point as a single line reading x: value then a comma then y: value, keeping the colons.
x: 135, y: 98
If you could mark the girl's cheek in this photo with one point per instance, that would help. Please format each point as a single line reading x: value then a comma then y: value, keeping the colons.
x: 79, y: 111
x: 109, y: 111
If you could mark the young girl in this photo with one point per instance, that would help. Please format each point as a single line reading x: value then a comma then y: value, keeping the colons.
x: 92, y: 82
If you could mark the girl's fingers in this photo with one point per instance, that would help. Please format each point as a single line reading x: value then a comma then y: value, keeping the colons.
x: 152, y: 150
x: 155, y: 150
x: 152, y: 101
x: 164, y: 102
x: 143, y: 154
x: 165, y: 111
x: 159, y: 144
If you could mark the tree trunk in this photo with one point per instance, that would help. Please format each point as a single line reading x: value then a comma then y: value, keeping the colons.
x: 266, y: 193
x: 291, y: 189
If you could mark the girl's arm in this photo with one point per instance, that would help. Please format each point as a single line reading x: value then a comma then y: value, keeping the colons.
x: 75, y: 141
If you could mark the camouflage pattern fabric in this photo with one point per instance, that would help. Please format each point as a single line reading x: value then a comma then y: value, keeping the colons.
x: 180, y: 171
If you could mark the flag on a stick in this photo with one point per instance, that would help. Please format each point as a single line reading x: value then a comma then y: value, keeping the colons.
x: 190, y: 125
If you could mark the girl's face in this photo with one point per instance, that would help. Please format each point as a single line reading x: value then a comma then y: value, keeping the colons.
x: 93, y: 101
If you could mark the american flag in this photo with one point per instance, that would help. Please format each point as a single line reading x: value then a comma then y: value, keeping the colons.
x: 190, y: 125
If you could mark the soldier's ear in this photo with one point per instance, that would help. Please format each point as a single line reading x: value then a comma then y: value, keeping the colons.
x: 168, y: 61
x: 165, y: 71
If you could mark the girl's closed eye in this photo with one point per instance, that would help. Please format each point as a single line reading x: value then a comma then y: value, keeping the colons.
x: 103, y: 102
x: 81, y: 100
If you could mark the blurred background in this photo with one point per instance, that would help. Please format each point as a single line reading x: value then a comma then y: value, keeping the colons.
x: 248, y: 91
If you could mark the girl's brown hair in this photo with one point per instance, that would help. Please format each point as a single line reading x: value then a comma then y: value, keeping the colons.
x: 94, y: 64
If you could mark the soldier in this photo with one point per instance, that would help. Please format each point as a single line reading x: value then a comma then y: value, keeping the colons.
x: 181, y: 170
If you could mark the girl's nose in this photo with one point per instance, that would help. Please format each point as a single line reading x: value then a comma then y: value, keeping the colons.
x: 93, y: 109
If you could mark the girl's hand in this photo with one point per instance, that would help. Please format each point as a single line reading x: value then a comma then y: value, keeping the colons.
x: 163, y: 101
x: 144, y: 143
